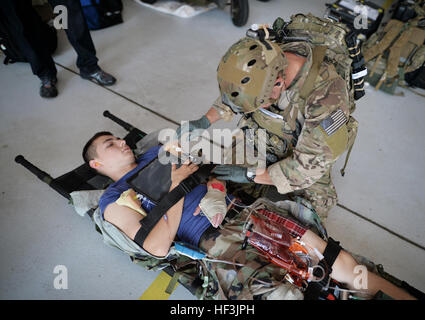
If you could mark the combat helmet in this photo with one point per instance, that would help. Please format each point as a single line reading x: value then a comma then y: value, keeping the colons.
x: 247, y: 73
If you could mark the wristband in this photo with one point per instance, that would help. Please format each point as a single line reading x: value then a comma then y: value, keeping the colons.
x: 251, y: 173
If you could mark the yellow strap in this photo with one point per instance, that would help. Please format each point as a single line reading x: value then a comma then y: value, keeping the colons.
x: 159, y: 287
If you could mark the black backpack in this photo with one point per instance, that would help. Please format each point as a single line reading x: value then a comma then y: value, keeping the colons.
x: 11, y: 49
x: 101, y: 14
x: 416, y: 79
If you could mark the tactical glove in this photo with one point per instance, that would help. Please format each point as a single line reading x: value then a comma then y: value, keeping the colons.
x: 232, y: 173
x: 195, y: 127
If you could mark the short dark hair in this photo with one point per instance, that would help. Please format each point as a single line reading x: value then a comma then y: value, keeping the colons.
x: 88, y: 151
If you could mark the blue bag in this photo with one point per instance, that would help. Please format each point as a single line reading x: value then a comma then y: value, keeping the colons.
x: 101, y: 14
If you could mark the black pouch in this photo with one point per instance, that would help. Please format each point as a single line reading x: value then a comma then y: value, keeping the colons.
x: 416, y: 79
x: 154, y: 180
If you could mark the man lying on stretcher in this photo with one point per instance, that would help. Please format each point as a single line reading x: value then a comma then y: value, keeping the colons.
x: 111, y: 156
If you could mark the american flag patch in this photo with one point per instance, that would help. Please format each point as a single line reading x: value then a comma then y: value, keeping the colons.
x: 333, y: 122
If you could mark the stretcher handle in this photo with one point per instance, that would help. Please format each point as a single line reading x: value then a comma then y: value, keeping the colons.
x: 43, y: 176
x: 117, y: 120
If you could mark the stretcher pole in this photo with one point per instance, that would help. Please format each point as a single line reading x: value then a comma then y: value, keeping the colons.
x: 117, y: 120
x: 43, y: 176
x: 134, y: 134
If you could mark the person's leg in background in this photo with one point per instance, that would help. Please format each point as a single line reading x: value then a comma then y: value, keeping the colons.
x: 79, y: 36
x: 25, y: 26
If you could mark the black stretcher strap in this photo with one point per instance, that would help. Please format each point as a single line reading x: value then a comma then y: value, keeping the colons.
x: 169, y: 200
x: 330, y: 254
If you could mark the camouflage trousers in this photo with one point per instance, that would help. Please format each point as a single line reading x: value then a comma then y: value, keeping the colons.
x: 257, y: 277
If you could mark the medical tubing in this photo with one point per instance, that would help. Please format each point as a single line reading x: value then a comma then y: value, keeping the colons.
x: 313, y: 279
x: 224, y: 261
x: 238, y: 205
x: 197, y: 254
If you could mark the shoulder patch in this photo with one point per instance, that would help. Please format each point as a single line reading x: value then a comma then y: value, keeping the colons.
x: 333, y: 122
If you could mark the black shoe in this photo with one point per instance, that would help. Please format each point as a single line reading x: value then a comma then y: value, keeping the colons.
x: 100, y: 77
x: 48, y: 87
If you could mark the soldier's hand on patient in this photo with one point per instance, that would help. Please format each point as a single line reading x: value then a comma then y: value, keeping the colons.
x: 178, y: 175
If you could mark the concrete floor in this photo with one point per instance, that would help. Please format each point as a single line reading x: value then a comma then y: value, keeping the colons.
x: 168, y: 64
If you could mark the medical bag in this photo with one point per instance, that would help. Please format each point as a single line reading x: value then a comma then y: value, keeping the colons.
x: 8, y: 42
x: 350, y: 13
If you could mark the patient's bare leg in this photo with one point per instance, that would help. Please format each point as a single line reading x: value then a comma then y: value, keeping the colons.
x: 344, y: 271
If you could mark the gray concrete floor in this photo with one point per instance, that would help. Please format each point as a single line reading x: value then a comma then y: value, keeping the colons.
x: 168, y: 64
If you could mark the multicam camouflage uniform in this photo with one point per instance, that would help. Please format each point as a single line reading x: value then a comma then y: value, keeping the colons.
x: 257, y: 278
x: 396, y: 50
x: 302, y: 147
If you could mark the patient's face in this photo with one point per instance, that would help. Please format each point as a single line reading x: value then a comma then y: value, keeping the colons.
x: 113, y: 152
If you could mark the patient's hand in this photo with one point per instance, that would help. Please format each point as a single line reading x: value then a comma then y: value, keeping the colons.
x: 173, y: 147
x: 213, y: 204
x: 216, y: 220
x: 178, y: 175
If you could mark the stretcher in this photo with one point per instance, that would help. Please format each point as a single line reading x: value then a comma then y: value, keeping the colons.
x: 84, y: 178
x: 183, y: 259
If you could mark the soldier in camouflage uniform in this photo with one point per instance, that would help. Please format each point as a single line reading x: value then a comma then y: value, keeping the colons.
x: 306, y: 133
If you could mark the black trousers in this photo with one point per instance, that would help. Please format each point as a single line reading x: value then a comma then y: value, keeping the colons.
x: 79, y: 35
x: 24, y: 24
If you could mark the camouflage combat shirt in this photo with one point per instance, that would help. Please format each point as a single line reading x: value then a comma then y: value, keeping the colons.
x: 322, y: 134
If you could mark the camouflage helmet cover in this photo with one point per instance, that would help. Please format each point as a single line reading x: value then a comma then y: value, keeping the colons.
x: 247, y: 73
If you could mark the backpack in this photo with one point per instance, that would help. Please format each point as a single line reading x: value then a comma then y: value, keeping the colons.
x: 341, y: 47
x: 11, y: 49
x: 404, y: 11
x: 348, y: 11
x: 335, y: 43
x: 101, y: 14
x: 416, y: 79
x: 395, y: 52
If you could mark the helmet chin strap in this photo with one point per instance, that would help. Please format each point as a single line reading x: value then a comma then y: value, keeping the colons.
x: 271, y: 114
